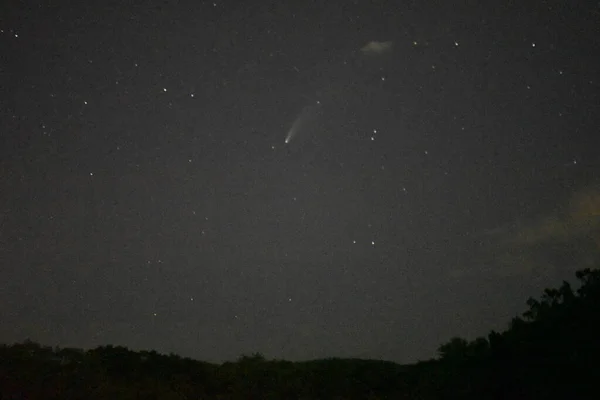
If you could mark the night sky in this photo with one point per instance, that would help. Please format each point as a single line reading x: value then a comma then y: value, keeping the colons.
x: 302, y: 179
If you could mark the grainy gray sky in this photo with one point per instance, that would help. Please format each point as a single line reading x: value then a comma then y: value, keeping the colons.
x: 432, y: 183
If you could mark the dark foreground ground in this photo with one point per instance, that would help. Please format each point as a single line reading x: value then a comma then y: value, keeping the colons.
x: 551, y: 352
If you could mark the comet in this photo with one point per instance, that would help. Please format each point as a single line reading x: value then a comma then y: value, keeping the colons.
x: 294, y: 129
x: 308, y: 114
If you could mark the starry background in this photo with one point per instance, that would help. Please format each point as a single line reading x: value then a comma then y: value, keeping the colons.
x: 147, y: 197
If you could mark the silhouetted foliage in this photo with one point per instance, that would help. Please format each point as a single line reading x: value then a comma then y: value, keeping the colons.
x: 550, y: 352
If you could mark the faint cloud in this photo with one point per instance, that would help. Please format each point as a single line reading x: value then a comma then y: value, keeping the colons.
x: 376, y: 48
x: 568, y: 238
x: 580, y: 219
x: 546, y: 246
x: 547, y: 228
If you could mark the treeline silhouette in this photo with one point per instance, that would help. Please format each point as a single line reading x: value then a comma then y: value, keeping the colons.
x: 551, y: 352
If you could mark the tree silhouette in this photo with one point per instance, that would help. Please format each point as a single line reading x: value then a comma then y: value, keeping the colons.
x: 550, y: 352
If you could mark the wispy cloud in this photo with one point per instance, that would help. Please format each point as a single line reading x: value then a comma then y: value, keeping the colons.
x: 567, y: 239
x: 580, y: 219
x: 375, y: 48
